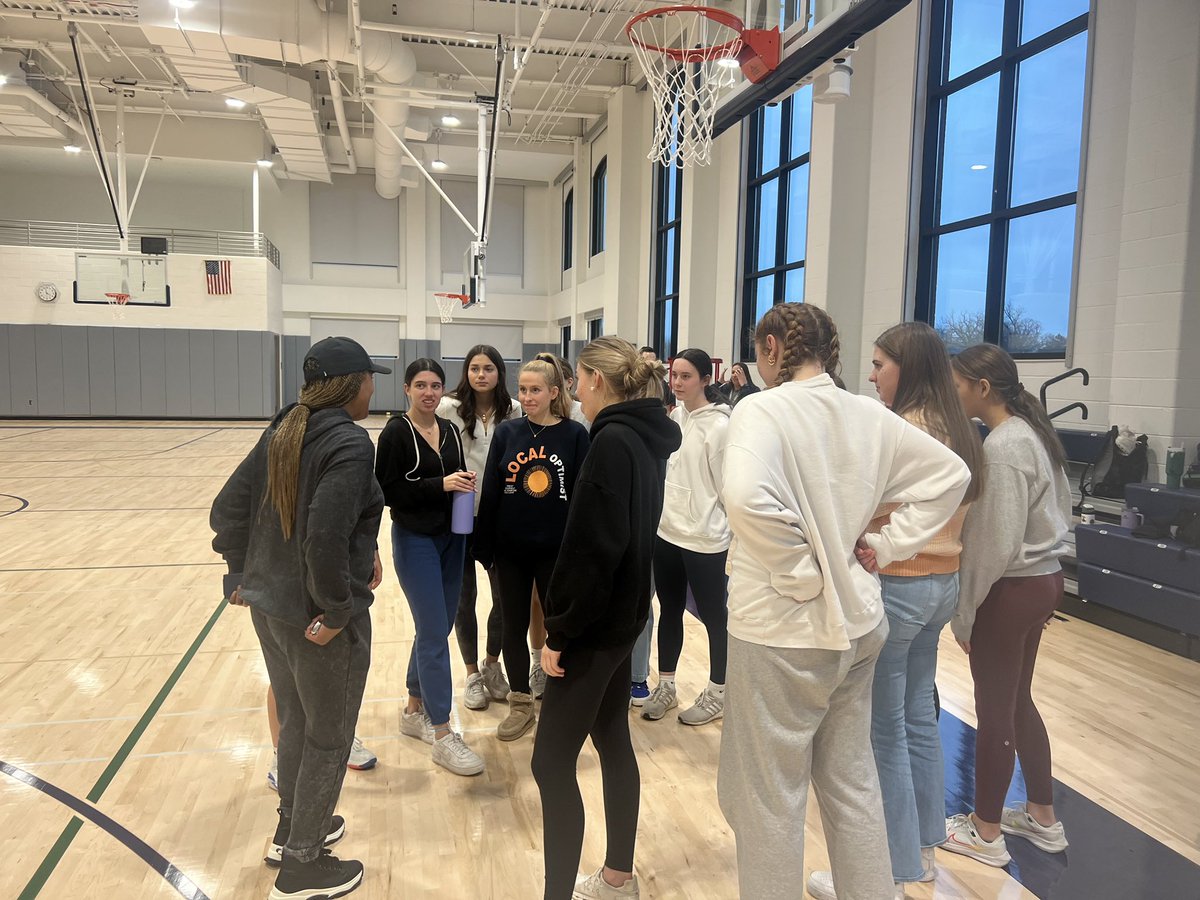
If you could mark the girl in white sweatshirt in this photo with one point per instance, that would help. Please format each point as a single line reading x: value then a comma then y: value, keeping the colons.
x: 806, y: 467
x: 693, y: 539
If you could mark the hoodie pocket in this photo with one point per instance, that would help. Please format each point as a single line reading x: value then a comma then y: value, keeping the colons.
x: 678, y: 504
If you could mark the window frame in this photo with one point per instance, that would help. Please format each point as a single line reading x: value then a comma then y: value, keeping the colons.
x: 564, y: 340
x: 1001, y: 214
x: 599, y: 207
x: 752, y: 186
x: 668, y: 227
x: 568, y: 229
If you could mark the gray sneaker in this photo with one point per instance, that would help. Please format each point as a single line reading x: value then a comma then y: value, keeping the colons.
x: 707, y: 708
x: 417, y: 725
x: 452, y: 752
x: 594, y: 887
x: 494, y: 681
x: 537, y: 681
x: 476, y: 694
x: 660, y: 701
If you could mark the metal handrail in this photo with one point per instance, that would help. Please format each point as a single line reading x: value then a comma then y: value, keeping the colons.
x: 85, y: 236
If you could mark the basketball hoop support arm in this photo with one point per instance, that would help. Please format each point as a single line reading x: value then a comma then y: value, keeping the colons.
x: 379, y: 122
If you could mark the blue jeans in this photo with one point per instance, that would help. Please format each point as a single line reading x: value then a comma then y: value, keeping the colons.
x: 904, y: 731
x: 641, y: 649
x: 431, y: 572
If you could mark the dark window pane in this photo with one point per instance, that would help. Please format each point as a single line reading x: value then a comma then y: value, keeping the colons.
x: 1049, y: 123
x: 797, y: 214
x: 801, y: 121
x: 1037, y: 284
x: 1039, y: 16
x: 970, y: 151
x: 768, y: 224
x: 960, y: 290
x: 769, y: 145
x: 793, y: 286
x: 568, y: 229
x: 976, y: 27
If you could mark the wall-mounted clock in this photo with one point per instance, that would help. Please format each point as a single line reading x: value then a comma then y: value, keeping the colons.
x: 47, y: 292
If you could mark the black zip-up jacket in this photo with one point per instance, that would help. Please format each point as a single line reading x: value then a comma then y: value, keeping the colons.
x: 329, y: 561
x: 599, y: 594
x: 413, y: 476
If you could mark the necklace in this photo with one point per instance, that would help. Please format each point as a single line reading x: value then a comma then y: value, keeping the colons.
x: 540, y: 430
x: 428, y: 430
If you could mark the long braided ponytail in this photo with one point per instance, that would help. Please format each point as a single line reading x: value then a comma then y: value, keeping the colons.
x: 805, y: 333
x: 283, y: 453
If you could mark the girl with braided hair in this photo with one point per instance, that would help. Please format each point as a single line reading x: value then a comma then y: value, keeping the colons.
x: 297, y: 523
x: 1012, y: 582
x: 806, y: 467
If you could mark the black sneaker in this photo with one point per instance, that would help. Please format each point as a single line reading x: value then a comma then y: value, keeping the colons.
x: 324, y: 878
x: 274, y: 857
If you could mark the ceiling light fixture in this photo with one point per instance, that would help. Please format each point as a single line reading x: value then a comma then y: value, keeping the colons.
x: 978, y: 167
x: 438, y: 164
x: 235, y: 103
x: 265, y: 163
x: 729, y: 62
x: 72, y: 148
x: 183, y: 4
x: 3, y: 80
x: 451, y: 121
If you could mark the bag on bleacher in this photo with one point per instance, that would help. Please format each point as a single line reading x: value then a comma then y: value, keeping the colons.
x: 1123, y: 460
x: 1187, y: 528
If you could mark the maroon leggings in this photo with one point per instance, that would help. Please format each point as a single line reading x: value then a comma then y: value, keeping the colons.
x: 1004, y: 646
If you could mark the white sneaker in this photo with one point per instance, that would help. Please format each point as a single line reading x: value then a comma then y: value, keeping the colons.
x: 537, y: 681
x: 273, y: 773
x: 663, y: 699
x: 494, y: 681
x: 418, y: 725
x: 476, y: 695
x: 451, y: 752
x: 961, y: 837
x: 1018, y: 822
x: 708, y: 708
x: 928, y: 865
x: 594, y: 887
x: 820, y: 887
x: 360, y: 757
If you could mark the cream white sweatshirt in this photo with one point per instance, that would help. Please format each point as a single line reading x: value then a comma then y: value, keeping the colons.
x: 806, y: 466
x: 1018, y: 527
x: 693, y: 517
x: 474, y: 449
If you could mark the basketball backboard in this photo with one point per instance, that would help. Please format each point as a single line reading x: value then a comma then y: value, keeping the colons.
x: 142, y: 278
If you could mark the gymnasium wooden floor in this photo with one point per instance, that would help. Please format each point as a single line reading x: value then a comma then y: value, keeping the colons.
x: 129, y: 688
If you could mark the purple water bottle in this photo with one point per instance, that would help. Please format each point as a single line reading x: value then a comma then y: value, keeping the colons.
x: 462, y: 514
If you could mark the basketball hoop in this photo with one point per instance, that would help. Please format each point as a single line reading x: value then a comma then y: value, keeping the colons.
x: 690, y: 55
x: 116, y: 303
x: 449, y: 304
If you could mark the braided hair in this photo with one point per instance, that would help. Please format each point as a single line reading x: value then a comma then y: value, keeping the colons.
x: 805, y: 333
x: 283, y: 452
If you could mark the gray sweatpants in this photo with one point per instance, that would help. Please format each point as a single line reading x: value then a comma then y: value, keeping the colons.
x: 318, y: 692
x: 792, y: 716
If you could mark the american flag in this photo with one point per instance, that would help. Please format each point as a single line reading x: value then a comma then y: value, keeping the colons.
x: 216, y: 272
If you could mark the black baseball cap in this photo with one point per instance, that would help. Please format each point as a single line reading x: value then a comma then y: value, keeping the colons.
x: 339, y: 356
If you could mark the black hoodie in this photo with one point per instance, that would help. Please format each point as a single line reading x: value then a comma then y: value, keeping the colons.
x: 328, y: 563
x: 599, y: 595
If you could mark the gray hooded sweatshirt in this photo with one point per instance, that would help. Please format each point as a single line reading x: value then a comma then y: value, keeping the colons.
x: 328, y: 563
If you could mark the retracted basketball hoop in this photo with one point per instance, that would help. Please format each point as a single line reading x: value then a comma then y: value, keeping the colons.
x: 690, y: 54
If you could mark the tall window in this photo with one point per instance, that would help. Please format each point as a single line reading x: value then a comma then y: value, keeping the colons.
x: 599, y: 200
x: 1001, y: 172
x: 564, y: 341
x: 776, y: 208
x: 568, y: 229
x: 668, y: 213
x: 595, y: 328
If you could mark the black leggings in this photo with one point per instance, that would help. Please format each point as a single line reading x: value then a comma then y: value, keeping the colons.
x: 517, y: 574
x: 592, y: 698
x: 675, y: 569
x: 466, y: 627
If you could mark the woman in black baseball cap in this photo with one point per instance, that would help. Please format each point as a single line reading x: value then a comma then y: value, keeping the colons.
x: 298, y: 523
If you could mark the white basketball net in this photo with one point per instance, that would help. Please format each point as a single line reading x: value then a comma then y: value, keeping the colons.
x: 116, y: 304
x: 448, y: 305
x: 685, y: 93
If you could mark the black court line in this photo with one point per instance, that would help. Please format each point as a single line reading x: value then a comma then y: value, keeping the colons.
x: 114, y: 508
x: 100, y: 568
x: 25, y: 432
x: 24, y: 505
x: 151, y: 857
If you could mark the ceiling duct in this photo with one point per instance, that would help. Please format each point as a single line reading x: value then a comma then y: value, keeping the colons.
x: 202, y: 42
x: 26, y: 112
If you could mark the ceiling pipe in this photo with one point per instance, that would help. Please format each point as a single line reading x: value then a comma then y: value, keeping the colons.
x: 521, y: 56
x: 339, y: 113
x: 553, y: 46
x: 39, y: 99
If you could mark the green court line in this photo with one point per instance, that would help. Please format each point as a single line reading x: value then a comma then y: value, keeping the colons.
x: 54, y: 857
